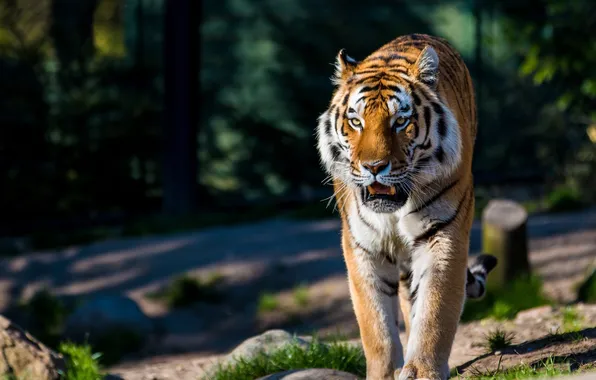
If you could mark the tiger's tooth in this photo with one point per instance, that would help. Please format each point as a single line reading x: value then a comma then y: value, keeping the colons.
x: 392, y: 190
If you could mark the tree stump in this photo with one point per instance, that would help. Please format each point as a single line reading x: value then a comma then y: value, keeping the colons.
x: 504, y: 236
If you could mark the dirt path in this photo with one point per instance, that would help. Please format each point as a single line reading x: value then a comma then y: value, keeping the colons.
x: 275, y: 255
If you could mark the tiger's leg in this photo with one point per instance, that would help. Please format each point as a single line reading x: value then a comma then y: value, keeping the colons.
x: 373, y: 284
x: 437, y: 295
x: 437, y: 290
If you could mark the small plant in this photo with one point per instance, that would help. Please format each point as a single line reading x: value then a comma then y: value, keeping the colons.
x: 301, y: 295
x: 546, y: 368
x: 572, y: 321
x: 186, y: 290
x: 503, y: 304
x: 339, y: 356
x: 498, y: 339
x: 81, y: 362
x: 562, y: 199
x: 267, y: 302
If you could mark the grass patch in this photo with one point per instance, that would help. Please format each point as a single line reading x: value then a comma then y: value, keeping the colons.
x: 300, y: 294
x: 267, y: 302
x: 572, y: 321
x: 586, y: 291
x: 498, y: 339
x: 546, y: 368
x: 562, y: 199
x: 521, y: 294
x: 185, y: 290
x: 81, y: 362
x: 336, y: 355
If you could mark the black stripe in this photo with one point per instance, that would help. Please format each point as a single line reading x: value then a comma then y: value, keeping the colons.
x: 441, y: 224
x: 369, y: 88
x: 416, y: 98
x: 392, y: 287
x: 470, y: 279
x: 391, y: 87
x: 345, y: 101
x: 328, y: 127
x: 359, y: 246
x: 366, y: 223
x: 442, y: 126
x: 440, y: 154
x: 427, y: 120
x: 437, y: 108
x: 389, y: 258
x: 414, y: 293
x: 432, y: 199
x: 335, y: 152
x: 351, y: 110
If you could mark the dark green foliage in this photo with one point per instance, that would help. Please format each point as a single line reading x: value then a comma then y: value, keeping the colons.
x: 587, y: 290
x: 339, y: 356
x: 521, y: 294
x: 563, y: 199
x: 116, y: 343
x: 186, y: 290
x: 45, y: 315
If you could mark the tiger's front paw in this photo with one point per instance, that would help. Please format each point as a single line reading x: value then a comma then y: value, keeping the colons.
x: 418, y: 371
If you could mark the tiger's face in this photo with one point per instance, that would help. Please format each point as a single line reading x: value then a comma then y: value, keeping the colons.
x: 387, y: 133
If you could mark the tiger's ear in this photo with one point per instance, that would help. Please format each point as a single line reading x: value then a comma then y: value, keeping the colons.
x: 428, y: 67
x: 344, y: 67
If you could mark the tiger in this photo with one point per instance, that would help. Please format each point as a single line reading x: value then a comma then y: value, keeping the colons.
x: 396, y: 142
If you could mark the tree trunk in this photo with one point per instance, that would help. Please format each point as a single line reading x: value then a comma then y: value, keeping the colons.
x: 181, y: 102
x: 504, y: 236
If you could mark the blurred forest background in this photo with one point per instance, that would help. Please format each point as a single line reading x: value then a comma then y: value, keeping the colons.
x: 95, y: 107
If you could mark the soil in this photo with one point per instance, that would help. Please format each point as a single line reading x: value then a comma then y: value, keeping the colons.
x: 274, y: 256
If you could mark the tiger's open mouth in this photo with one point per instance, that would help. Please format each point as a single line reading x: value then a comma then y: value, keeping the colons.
x: 382, y: 198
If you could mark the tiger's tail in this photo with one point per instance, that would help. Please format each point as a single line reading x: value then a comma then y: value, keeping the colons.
x: 477, y: 273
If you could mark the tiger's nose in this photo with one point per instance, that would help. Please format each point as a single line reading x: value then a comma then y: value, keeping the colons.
x: 376, y: 166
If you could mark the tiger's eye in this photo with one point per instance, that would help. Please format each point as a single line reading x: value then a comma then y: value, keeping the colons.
x: 355, y: 121
x: 400, y: 121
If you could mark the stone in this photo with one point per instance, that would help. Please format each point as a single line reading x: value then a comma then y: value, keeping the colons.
x: 24, y: 357
x: 265, y: 343
x: 311, y: 374
x: 103, y: 315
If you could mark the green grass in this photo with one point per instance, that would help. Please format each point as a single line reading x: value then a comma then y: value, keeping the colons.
x: 338, y: 356
x: 547, y: 368
x: 267, y: 302
x: 521, y: 294
x: 185, y: 290
x: 572, y: 321
x: 81, y: 362
x: 498, y: 339
x: 300, y: 294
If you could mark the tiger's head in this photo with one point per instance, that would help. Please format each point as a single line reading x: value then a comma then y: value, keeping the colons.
x: 387, y: 132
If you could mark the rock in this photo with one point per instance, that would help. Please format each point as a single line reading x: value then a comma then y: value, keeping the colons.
x: 265, y: 343
x: 311, y: 374
x: 536, y: 314
x: 24, y: 357
x: 105, y: 315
